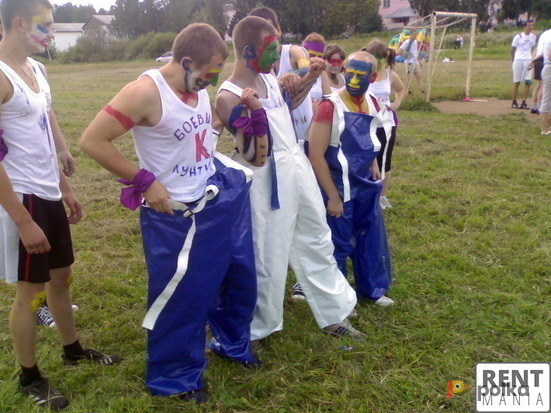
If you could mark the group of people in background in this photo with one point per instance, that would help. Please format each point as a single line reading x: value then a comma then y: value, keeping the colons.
x: 530, y: 57
x: 303, y: 190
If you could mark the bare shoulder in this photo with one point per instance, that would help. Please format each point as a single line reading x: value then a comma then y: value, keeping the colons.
x: 225, y: 102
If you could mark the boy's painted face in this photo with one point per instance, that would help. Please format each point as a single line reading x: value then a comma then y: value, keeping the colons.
x: 41, y: 31
x: 262, y: 60
x: 357, y: 77
x: 195, y: 80
x: 334, y: 64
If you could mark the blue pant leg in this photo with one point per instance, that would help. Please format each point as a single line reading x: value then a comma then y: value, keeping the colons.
x: 371, y: 256
x: 231, y: 318
x: 176, y: 345
x: 342, y: 235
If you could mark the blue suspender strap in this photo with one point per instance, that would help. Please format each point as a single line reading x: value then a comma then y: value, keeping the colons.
x: 236, y: 113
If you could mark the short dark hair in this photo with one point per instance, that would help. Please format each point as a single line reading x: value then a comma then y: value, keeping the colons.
x: 200, y: 42
x: 267, y: 14
x: 249, y: 31
x: 20, y: 8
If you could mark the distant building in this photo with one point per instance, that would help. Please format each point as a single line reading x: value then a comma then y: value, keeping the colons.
x: 99, y: 21
x: 66, y: 35
x: 396, y: 14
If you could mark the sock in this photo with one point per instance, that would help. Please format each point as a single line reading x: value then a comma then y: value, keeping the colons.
x: 29, y: 374
x: 73, y: 351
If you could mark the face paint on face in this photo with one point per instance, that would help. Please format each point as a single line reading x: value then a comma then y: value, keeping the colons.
x: 265, y: 57
x: 41, y: 31
x: 314, y: 49
x: 357, y: 77
x: 212, y: 76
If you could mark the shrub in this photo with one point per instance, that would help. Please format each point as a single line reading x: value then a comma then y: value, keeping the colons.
x: 159, y: 44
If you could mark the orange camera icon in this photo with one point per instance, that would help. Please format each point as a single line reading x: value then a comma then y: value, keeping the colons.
x: 454, y: 386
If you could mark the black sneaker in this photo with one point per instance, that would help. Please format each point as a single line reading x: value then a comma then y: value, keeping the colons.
x: 534, y: 111
x: 197, y: 396
x: 253, y: 365
x: 93, y: 355
x: 514, y: 105
x: 44, y: 317
x: 42, y: 394
x: 523, y: 105
x: 297, y: 293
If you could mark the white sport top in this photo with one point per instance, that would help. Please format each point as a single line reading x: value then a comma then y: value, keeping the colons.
x: 382, y: 89
x: 179, y: 148
x: 302, y: 115
x: 523, y: 44
x: 31, y: 162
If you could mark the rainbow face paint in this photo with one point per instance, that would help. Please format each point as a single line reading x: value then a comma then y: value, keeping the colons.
x: 357, y: 77
x: 262, y: 60
x: 41, y: 31
x: 195, y: 80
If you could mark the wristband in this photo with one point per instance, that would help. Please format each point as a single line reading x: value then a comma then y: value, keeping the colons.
x: 255, y: 125
x: 3, y: 146
x: 131, y: 196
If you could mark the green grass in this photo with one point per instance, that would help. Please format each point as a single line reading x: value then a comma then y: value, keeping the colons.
x: 470, y: 238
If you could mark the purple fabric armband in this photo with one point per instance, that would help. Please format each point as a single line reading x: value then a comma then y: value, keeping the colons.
x: 3, y: 146
x: 255, y: 125
x: 131, y: 196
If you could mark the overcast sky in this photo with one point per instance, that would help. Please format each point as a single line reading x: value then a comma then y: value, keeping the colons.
x: 98, y: 4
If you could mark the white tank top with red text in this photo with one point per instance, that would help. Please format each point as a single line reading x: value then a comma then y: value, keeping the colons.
x: 179, y: 148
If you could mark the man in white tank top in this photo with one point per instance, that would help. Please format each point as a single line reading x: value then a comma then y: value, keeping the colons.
x: 35, y: 241
x: 288, y: 213
x: 196, y: 221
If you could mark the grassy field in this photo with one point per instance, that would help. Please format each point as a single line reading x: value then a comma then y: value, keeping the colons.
x: 470, y: 234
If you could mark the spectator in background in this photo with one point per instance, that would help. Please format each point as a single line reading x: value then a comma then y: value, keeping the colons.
x: 521, y: 56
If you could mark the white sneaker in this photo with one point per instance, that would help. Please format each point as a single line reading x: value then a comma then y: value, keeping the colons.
x: 384, y: 301
x: 383, y: 202
x: 343, y: 329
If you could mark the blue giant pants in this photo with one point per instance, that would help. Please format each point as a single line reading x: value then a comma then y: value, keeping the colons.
x: 219, y: 285
x: 360, y: 234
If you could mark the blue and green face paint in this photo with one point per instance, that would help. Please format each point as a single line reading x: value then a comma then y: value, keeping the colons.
x: 357, y: 77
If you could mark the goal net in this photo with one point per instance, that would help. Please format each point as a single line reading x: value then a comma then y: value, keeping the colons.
x: 437, y: 24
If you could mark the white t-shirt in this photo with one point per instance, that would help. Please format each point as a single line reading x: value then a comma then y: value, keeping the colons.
x: 179, y: 148
x: 544, y: 46
x: 411, y: 54
x: 523, y: 44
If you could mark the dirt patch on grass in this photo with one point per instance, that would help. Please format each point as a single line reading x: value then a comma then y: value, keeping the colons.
x: 482, y: 107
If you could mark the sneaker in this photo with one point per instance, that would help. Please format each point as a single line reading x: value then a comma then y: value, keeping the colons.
x: 253, y: 365
x: 383, y: 202
x: 514, y: 105
x: 196, y: 396
x: 297, y: 293
x: 353, y: 314
x: 343, y: 329
x: 44, y: 316
x: 534, y: 111
x: 90, y: 354
x: 41, y: 393
x: 548, y: 133
x: 524, y: 105
x: 384, y: 301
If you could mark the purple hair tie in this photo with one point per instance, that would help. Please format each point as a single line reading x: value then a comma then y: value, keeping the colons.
x: 131, y: 196
x: 255, y: 125
x: 3, y: 146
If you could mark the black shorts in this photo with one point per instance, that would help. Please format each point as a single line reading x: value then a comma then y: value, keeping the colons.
x: 382, y: 138
x: 51, y: 217
x: 538, y: 67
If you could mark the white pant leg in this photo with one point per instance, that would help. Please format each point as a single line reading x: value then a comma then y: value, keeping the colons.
x: 272, y: 237
x: 329, y: 294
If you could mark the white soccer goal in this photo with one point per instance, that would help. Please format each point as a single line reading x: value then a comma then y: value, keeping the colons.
x: 439, y: 20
